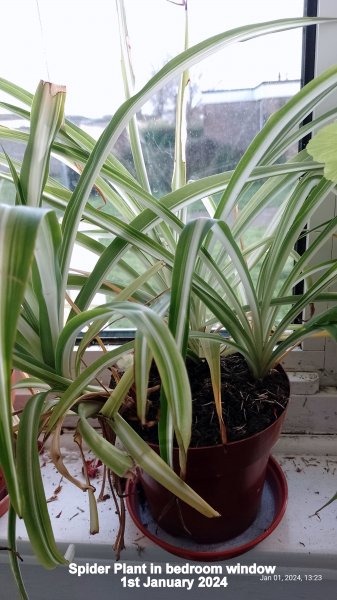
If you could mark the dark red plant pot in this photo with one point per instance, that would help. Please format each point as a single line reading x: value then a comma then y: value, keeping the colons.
x: 230, y: 478
x: 4, y: 498
x: 273, y: 506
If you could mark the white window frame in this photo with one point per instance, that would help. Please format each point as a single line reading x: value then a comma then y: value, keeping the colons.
x: 320, y: 354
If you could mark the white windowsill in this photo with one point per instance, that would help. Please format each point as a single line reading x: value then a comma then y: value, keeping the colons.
x: 301, y: 543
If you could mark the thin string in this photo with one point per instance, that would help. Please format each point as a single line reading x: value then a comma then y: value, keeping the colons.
x: 44, y: 50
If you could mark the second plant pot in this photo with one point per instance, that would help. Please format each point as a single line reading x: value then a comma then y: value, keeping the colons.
x: 4, y: 499
x: 230, y: 478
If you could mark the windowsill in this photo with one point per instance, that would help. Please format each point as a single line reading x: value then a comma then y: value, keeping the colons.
x: 301, y: 544
x: 299, y: 534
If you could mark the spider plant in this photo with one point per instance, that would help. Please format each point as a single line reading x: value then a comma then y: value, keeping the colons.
x: 35, y: 339
x: 217, y: 286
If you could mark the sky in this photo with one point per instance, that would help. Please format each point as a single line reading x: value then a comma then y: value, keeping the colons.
x: 75, y: 43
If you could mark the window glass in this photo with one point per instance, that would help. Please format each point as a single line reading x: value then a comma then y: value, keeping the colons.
x: 231, y: 93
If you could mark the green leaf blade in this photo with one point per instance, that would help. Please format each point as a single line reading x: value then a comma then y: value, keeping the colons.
x: 35, y: 511
x: 18, y: 232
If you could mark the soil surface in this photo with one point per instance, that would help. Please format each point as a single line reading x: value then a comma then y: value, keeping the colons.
x: 248, y: 405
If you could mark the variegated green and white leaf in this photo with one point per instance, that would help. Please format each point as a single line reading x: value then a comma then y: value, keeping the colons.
x: 131, y: 106
x: 125, y: 294
x: 152, y: 464
x: 13, y: 556
x: 18, y: 231
x: 46, y: 281
x: 45, y: 121
x: 115, y: 459
x: 35, y: 511
x: 166, y: 355
x: 278, y: 125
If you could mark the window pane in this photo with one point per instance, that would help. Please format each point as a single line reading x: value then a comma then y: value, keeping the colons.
x: 231, y: 93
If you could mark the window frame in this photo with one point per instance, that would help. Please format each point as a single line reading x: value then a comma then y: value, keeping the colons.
x: 320, y: 354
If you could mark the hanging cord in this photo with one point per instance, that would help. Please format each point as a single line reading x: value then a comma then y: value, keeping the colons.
x: 44, y: 49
